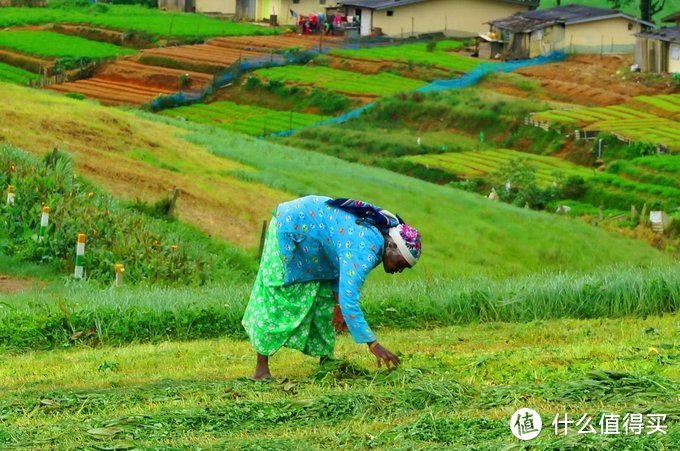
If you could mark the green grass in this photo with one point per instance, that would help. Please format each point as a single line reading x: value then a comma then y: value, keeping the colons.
x: 381, y: 84
x: 442, y: 56
x: 479, y: 164
x: 47, y: 44
x: 49, y: 318
x: 133, y: 18
x: 631, y: 7
x: 457, y: 388
x: 13, y: 74
x: 248, y: 119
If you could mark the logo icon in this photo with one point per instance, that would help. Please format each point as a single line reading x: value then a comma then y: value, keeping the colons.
x: 526, y: 424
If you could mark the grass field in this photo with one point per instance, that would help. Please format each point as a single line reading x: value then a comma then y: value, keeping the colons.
x: 442, y: 55
x: 15, y: 75
x: 346, y: 82
x: 47, y: 44
x: 457, y: 388
x: 133, y: 17
x: 479, y: 164
x: 248, y: 119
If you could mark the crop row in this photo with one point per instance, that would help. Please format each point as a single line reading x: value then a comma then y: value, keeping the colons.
x: 45, y: 43
x: 15, y: 75
x: 133, y: 18
x: 477, y: 164
x: 417, y: 53
x: 625, y: 184
x: 340, y: 80
x: 247, y: 119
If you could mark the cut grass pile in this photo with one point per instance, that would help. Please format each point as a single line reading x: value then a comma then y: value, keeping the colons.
x: 457, y: 388
x: 133, y: 18
x: 441, y: 56
x: 13, y: 74
x: 382, y: 84
x: 482, y: 163
x: 248, y: 119
x: 48, y: 44
x: 134, y: 314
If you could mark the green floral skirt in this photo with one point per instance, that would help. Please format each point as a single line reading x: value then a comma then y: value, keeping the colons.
x: 297, y: 316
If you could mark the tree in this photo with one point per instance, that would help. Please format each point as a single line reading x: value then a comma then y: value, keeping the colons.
x: 647, y: 7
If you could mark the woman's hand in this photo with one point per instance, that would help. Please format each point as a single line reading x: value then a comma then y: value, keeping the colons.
x: 338, y: 320
x: 384, y: 356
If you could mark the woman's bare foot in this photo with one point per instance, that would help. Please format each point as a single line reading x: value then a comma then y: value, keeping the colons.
x: 262, y: 369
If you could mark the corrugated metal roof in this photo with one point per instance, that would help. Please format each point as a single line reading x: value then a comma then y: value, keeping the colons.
x: 568, y: 14
x: 387, y: 4
x: 670, y: 34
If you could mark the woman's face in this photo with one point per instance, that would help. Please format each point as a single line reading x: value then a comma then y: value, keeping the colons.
x: 393, y: 262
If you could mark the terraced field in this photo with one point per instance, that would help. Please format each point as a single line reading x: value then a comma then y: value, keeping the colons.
x: 15, y: 75
x: 222, y: 52
x: 478, y: 164
x: 654, y: 119
x: 133, y: 17
x: 248, y: 119
x: 55, y: 45
x: 349, y: 83
x: 441, y: 56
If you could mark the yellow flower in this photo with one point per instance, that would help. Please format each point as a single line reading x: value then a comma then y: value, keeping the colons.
x: 174, y: 247
x: 90, y: 194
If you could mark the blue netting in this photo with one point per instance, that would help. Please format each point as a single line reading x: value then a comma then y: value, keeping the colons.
x: 464, y: 81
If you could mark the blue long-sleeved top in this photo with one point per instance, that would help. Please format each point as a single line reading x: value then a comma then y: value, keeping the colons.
x: 322, y: 242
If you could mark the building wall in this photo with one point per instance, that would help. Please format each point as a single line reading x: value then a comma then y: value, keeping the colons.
x: 456, y: 17
x: 674, y: 58
x: 547, y: 40
x: 216, y: 6
x: 171, y: 5
x: 607, y: 36
x: 282, y: 9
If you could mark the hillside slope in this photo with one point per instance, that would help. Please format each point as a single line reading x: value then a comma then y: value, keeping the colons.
x: 139, y: 155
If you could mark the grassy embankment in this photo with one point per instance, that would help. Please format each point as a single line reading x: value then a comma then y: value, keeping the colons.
x: 232, y: 182
x: 132, y: 18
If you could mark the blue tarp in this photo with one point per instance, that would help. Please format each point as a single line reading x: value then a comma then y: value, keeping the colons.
x: 471, y: 78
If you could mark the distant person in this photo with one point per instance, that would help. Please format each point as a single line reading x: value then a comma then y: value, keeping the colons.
x: 327, y: 28
x: 317, y: 255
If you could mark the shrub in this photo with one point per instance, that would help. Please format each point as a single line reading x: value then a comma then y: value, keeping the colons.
x: 151, y: 250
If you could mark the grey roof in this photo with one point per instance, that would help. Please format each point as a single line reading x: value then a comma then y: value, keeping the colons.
x: 567, y: 15
x: 671, y: 18
x: 670, y: 34
x: 387, y: 4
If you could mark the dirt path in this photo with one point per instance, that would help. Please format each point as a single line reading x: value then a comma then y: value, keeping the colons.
x: 10, y: 284
x: 592, y: 80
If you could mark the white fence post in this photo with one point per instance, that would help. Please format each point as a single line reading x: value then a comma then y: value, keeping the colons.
x: 80, y: 256
x: 10, y: 195
x: 44, y: 222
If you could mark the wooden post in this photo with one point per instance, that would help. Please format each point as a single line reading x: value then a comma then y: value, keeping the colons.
x: 44, y: 222
x: 173, y: 202
x: 633, y: 213
x: 643, y: 215
x: 120, y: 274
x: 601, y: 212
x: 262, y: 237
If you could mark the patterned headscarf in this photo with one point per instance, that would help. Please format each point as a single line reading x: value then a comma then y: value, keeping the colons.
x: 405, y: 237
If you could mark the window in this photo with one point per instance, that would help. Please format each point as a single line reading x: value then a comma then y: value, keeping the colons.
x: 322, y: 2
x: 390, y: 13
x: 296, y: 1
x: 630, y: 26
x: 675, y: 52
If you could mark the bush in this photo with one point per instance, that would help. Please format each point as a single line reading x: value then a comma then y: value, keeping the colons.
x: 150, y: 249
